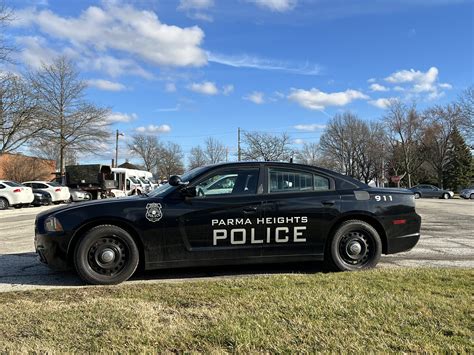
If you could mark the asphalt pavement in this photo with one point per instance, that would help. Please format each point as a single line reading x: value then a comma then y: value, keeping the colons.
x: 447, y: 241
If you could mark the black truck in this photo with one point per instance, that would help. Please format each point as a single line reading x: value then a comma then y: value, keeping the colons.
x: 96, y: 179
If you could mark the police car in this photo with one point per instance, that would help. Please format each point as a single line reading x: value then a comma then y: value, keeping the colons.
x: 273, y: 213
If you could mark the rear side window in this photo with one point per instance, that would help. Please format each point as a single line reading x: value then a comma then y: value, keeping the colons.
x: 12, y: 184
x: 2, y: 186
x: 281, y: 180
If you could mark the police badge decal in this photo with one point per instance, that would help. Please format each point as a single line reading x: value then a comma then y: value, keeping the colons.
x: 153, y: 212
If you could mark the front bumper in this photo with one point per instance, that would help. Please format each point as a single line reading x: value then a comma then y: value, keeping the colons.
x: 51, y: 250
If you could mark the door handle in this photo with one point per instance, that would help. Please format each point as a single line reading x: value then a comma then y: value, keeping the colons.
x: 250, y: 210
x: 328, y: 202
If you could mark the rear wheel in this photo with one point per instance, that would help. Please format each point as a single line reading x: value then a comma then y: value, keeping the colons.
x: 106, y: 255
x: 3, y: 203
x: 417, y: 195
x: 356, y: 245
x: 471, y: 196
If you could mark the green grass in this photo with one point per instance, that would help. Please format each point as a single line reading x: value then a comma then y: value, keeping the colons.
x: 401, y: 310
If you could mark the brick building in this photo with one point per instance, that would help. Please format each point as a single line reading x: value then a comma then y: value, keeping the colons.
x: 19, y: 167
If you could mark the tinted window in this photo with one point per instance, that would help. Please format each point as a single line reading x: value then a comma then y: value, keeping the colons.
x: 12, y: 184
x: 2, y: 186
x: 290, y: 180
x: 229, y: 182
x: 321, y: 183
x: 53, y: 183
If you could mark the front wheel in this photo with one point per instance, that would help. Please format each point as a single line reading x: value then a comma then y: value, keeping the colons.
x: 356, y: 245
x: 471, y: 196
x: 417, y: 195
x: 106, y: 255
x: 446, y: 196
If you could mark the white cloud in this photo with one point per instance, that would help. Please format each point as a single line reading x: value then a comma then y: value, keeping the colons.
x: 169, y: 109
x: 152, y: 129
x: 254, y: 62
x: 170, y: 87
x: 382, y: 103
x: 398, y: 88
x: 309, y: 127
x: 195, y: 9
x: 122, y: 28
x: 112, y: 66
x: 115, y: 117
x: 195, y: 4
x: 256, y: 97
x: 35, y: 51
x: 315, y: 99
x: 227, y: 89
x: 276, y: 5
x: 106, y: 85
x: 378, y: 87
x: 419, y: 82
x: 371, y: 80
x: 205, y: 88
x: 298, y: 141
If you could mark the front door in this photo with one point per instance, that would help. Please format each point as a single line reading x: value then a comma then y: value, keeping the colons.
x: 221, y: 221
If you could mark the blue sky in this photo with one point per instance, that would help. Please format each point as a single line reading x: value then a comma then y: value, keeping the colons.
x: 190, y: 69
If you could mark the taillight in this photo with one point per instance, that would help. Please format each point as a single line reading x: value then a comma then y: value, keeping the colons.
x: 58, y: 190
x: 399, y: 221
x: 17, y: 190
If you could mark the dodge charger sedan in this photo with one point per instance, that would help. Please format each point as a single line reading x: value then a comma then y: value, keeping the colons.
x: 272, y: 213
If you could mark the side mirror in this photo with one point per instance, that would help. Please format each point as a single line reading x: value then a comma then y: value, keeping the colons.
x: 175, y: 180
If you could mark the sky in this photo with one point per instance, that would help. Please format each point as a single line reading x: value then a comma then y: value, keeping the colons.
x: 189, y: 69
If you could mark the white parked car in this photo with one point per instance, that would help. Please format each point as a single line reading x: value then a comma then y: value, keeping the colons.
x: 58, y: 193
x: 14, y: 194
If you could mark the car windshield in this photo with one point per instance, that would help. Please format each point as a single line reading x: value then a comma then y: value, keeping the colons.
x: 163, y: 189
x: 144, y: 180
x: 134, y: 180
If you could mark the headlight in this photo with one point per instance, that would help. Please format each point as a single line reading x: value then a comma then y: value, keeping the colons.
x: 37, y: 194
x: 51, y: 224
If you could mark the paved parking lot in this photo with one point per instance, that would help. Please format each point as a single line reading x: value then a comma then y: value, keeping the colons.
x: 447, y: 241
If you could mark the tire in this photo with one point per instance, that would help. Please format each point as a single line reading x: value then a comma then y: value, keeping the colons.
x: 471, y: 196
x: 417, y: 195
x: 366, y: 247
x: 4, y: 203
x: 117, y: 244
x: 446, y: 196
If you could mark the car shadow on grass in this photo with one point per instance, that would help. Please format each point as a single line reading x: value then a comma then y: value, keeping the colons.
x: 25, y: 271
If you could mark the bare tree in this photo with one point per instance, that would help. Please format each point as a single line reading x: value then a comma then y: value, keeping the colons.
x: 147, y: 148
x: 6, y: 15
x: 45, y: 150
x: 267, y: 147
x: 309, y: 154
x: 466, y: 103
x: 439, y: 123
x: 73, y: 123
x: 170, y: 160
x: 354, y: 146
x: 215, y: 151
x: 19, y: 120
x: 403, y: 124
x: 197, y: 158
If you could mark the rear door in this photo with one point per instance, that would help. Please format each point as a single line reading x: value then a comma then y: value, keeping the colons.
x: 298, y: 209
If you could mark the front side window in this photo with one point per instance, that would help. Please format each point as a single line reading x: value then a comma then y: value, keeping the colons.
x: 229, y: 182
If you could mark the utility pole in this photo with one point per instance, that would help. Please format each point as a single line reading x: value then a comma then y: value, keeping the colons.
x: 117, y: 134
x: 226, y: 154
x: 239, y: 153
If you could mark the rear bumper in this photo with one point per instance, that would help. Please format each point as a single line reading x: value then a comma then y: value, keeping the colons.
x: 402, y: 243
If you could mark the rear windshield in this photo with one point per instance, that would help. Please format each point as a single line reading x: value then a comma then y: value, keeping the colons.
x: 53, y: 183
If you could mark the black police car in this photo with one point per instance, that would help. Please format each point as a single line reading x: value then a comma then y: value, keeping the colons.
x: 260, y: 213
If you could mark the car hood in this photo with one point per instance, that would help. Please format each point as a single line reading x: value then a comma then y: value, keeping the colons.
x: 94, y: 203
